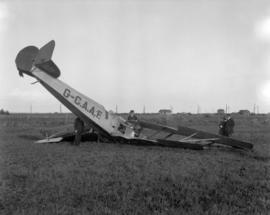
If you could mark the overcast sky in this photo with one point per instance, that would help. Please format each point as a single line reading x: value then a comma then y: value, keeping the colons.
x: 160, y: 54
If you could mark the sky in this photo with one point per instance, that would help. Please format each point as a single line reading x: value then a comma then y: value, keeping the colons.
x: 155, y: 54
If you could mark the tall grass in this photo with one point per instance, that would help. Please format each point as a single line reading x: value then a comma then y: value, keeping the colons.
x: 99, y: 178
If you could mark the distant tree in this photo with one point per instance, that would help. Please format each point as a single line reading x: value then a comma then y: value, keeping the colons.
x: 3, y: 112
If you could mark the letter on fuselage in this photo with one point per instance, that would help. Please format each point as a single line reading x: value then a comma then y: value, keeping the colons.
x: 66, y: 93
x: 77, y: 100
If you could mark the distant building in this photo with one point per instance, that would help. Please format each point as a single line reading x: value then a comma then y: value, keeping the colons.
x: 220, y: 111
x: 165, y: 111
x: 244, y: 112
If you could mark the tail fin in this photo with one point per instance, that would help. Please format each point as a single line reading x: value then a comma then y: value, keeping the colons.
x: 45, y: 53
x: 32, y: 56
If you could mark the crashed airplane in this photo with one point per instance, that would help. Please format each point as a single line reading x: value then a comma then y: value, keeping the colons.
x: 38, y: 64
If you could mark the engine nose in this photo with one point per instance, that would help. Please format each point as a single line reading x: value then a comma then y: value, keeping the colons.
x: 25, y: 59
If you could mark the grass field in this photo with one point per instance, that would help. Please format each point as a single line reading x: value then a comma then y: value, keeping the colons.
x: 103, y: 178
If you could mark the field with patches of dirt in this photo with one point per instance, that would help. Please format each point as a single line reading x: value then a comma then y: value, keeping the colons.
x: 103, y: 178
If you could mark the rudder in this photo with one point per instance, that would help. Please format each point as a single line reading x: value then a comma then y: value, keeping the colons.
x: 41, y: 58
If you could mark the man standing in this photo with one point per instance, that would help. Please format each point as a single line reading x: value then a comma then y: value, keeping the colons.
x: 222, y: 127
x: 229, y: 125
x: 79, y: 128
x: 132, y: 117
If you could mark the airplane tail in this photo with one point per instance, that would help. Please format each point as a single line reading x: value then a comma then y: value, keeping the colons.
x: 31, y: 56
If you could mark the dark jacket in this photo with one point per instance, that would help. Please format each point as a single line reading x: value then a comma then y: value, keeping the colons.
x: 78, y: 125
x: 222, y: 127
x: 132, y: 118
x: 229, y: 126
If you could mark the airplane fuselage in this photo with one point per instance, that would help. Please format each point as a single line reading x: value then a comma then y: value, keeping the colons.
x: 83, y: 106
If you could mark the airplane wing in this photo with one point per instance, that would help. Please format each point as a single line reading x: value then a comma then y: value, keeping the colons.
x: 50, y: 140
x: 219, y: 139
x: 69, y: 137
x: 194, y: 133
